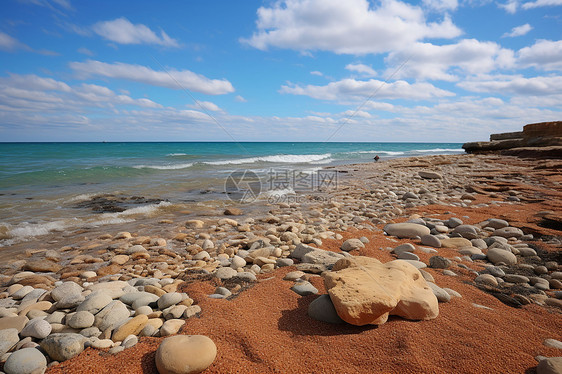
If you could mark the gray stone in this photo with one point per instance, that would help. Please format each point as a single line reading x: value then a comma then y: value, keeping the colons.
x: 479, y: 243
x: 22, y: 292
x: 322, y: 309
x: 451, y: 292
x: 406, y: 247
x: 496, y: 223
x: 129, y: 341
x: 33, y: 295
x: 431, y: 240
x: 406, y: 230
x: 95, y: 302
x: 515, y: 278
x: 225, y: 273
x: 466, y: 231
x: 26, y: 361
x: 497, y: 255
x: 439, y: 262
x: 508, y: 232
x: 223, y: 291
x: 410, y: 195
x: 36, y: 328
x: 552, y: 365
x: 352, y: 244
x: 81, y: 320
x: 553, y: 343
x: 487, y: 279
x: 169, y: 299
x: 246, y: 276
x: 61, y: 347
x: 408, y: 256
x: 321, y: 257
x: 429, y: 174
x: 282, y: 262
x: 453, y: 222
x: 441, y: 295
x: 66, y: 289
x: 8, y: 339
x: 111, y: 316
x: 495, y: 271
x: 304, y: 288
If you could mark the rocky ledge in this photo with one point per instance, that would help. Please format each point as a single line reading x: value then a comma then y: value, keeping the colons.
x: 539, y: 140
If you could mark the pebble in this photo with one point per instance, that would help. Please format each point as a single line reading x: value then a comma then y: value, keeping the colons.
x: 406, y: 230
x: 431, y: 240
x: 95, y: 302
x: 497, y: 255
x: 553, y: 343
x: 408, y: 256
x: 81, y: 320
x: 26, y: 361
x: 441, y: 294
x: 8, y: 339
x: 352, y: 244
x: 225, y: 273
x: 185, y: 354
x: 304, y: 288
x: 439, y: 262
x: 322, y: 309
x: 552, y: 365
x: 171, y: 327
x: 169, y: 299
x: 487, y: 279
x: 36, y: 328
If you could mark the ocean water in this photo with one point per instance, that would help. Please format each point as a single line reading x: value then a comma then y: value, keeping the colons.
x: 42, y: 185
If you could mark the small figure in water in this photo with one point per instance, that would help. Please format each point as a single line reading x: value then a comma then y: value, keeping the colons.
x: 377, y: 158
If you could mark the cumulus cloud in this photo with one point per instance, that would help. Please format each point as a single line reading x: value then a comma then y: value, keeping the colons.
x: 543, y: 55
x: 206, y: 105
x: 317, y: 73
x: 541, y: 3
x: 441, y: 5
x: 362, y: 69
x: 345, y: 27
x: 175, y: 79
x: 510, y: 7
x: 122, y: 31
x: 351, y: 89
x: 518, y: 31
x: 515, y: 84
x: 442, y: 62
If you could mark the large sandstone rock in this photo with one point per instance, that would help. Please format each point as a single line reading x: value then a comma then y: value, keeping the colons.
x: 185, y: 354
x: 366, y: 291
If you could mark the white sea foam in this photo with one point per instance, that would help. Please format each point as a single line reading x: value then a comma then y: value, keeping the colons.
x: 165, y: 167
x: 292, y: 159
x: 81, y: 197
x: 278, y: 193
x: 390, y: 153
x: 176, y: 154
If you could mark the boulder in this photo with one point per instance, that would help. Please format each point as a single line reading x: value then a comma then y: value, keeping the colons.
x: 366, y: 291
x: 61, y: 347
x: 26, y: 361
x: 406, y: 230
x: 551, y: 365
x: 185, y: 354
x: 322, y: 309
x: 497, y: 255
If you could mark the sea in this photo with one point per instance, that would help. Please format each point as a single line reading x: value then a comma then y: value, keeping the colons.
x: 49, y: 188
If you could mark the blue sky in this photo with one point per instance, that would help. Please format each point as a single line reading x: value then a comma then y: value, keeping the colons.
x: 293, y: 70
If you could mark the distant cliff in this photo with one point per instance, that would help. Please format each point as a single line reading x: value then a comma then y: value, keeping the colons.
x: 541, y: 140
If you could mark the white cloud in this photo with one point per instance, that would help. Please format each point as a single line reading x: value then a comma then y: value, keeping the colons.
x: 351, y: 89
x: 356, y: 113
x: 515, y: 84
x: 240, y: 99
x: 362, y: 69
x: 510, y: 7
x: 317, y: 73
x: 441, y: 5
x: 206, y: 105
x: 543, y: 55
x: 171, y: 79
x: 518, y: 31
x: 350, y: 27
x: 122, y: 31
x: 34, y: 82
x: 443, y: 62
x: 85, y: 51
x: 541, y: 3
x: 8, y: 43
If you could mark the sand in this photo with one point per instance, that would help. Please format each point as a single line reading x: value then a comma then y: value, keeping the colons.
x: 266, y: 329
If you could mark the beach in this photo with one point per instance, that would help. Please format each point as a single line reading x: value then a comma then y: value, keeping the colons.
x: 494, y: 316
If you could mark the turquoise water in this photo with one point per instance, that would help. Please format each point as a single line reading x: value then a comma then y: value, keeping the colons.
x: 40, y: 183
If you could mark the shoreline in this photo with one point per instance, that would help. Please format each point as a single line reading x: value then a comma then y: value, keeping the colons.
x: 472, y: 188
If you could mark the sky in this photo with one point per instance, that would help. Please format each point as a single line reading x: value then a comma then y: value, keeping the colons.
x: 287, y: 70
